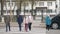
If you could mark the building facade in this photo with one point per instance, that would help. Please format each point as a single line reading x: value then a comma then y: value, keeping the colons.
x: 39, y: 8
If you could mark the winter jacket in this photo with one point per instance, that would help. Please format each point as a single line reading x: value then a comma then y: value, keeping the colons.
x: 26, y: 20
x: 20, y: 19
x: 7, y: 19
x: 30, y: 19
x: 48, y: 20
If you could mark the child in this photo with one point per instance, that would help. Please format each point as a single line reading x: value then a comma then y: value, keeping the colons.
x: 26, y: 23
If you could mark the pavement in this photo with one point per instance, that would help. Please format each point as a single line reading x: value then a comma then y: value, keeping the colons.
x: 15, y: 30
x: 53, y: 31
x: 37, y: 28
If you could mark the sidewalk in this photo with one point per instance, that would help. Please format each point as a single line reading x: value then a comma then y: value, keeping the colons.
x: 15, y: 30
x: 34, y: 24
x: 37, y: 28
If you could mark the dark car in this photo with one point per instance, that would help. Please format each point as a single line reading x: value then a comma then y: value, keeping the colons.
x: 55, y: 22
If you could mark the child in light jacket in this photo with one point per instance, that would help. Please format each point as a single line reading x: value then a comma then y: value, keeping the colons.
x: 30, y: 21
x: 26, y: 23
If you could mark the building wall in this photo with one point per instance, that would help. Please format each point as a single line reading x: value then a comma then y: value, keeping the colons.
x: 43, y: 4
x: 59, y: 6
x: 27, y: 6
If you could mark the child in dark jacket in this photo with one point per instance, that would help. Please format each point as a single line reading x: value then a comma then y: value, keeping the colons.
x: 20, y: 21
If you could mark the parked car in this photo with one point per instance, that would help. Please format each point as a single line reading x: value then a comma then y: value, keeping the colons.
x: 55, y: 22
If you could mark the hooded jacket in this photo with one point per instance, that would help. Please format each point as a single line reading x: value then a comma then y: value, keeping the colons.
x: 48, y: 20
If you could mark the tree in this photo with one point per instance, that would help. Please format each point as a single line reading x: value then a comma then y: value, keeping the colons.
x: 1, y: 7
x: 32, y: 8
x: 19, y: 9
x: 20, y: 4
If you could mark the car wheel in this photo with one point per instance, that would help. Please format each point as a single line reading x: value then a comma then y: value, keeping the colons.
x: 54, y: 25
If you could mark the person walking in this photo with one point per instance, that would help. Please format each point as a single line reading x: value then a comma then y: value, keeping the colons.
x: 20, y: 21
x: 48, y: 22
x: 30, y: 22
x: 26, y: 23
x: 7, y: 22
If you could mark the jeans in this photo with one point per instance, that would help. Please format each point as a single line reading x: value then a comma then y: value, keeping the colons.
x: 7, y: 27
x: 29, y: 25
x: 19, y: 26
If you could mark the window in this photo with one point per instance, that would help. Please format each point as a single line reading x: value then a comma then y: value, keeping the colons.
x: 38, y: 12
x: 55, y: 10
x: 59, y: 3
x: 41, y: 3
x: 49, y: 3
x: 35, y: 3
x: 49, y: 11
